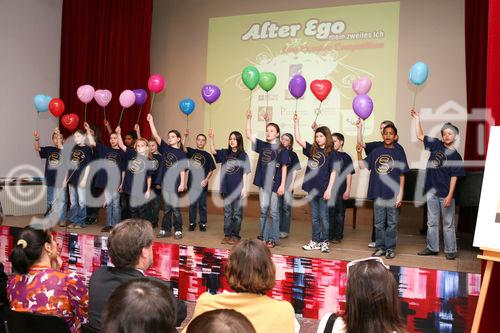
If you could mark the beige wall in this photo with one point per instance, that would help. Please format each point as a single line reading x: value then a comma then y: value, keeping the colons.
x: 430, y: 30
x: 30, y: 43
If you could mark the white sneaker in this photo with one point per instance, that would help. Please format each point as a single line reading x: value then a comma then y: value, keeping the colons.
x: 371, y: 245
x: 324, y: 247
x: 311, y: 246
x: 283, y: 235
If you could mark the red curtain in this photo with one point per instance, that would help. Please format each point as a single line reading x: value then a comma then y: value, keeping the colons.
x: 106, y: 43
x: 491, y: 320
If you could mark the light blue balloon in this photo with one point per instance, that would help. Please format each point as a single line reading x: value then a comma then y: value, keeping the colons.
x: 187, y: 106
x: 418, y: 73
x: 41, y: 102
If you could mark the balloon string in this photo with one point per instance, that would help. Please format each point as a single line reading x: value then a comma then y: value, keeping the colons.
x: 152, y: 101
x: 296, y: 104
x: 318, y: 112
x: 250, y: 101
x: 187, y: 123
x: 36, y: 123
x: 414, y: 96
x: 121, y: 114
x: 104, y: 112
x: 267, y: 102
x: 209, y: 116
x: 140, y: 110
x: 85, y: 113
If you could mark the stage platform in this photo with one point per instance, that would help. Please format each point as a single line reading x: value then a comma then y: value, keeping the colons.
x: 354, y: 245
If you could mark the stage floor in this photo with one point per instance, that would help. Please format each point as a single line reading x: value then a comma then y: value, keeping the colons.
x: 354, y: 245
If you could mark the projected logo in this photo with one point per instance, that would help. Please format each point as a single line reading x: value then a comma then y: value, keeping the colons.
x: 137, y: 165
x: 232, y: 165
x: 155, y: 164
x: 170, y: 160
x: 268, y: 155
x: 384, y: 164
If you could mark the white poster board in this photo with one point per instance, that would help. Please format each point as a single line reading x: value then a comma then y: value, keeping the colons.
x: 487, y: 233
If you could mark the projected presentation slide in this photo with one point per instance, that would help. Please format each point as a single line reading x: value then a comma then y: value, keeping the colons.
x: 338, y: 43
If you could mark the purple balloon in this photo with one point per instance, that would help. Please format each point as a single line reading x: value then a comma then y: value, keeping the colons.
x: 140, y: 96
x: 362, y: 106
x: 210, y: 93
x: 297, y: 86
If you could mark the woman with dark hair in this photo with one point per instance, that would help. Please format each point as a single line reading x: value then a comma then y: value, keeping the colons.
x: 39, y: 286
x: 372, y: 301
x: 221, y: 321
x: 140, y: 306
x: 251, y: 273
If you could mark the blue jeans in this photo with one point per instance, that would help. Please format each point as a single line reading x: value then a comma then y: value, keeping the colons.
x: 198, y: 200
x: 233, y: 214
x: 171, y: 211
x: 269, y: 230
x: 77, y: 209
x: 113, y: 209
x: 386, y: 225
x: 319, y: 215
x: 435, y: 208
x: 336, y: 215
x: 56, y: 203
x: 285, y: 211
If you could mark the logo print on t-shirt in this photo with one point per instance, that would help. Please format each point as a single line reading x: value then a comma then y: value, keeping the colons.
x: 54, y: 160
x: 77, y: 157
x: 439, y: 159
x: 170, y: 160
x: 384, y: 164
x: 112, y: 158
x: 232, y: 165
x: 155, y: 164
x: 137, y: 165
x: 316, y: 161
x: 268, y: 155
x: 198, y: 160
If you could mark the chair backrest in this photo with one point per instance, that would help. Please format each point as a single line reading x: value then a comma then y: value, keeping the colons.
x: 27, y: 322
x: 468, y: 189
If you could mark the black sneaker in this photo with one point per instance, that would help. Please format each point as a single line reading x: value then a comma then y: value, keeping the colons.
x: 91, y: 220
x: 203, y: 227
x: 192, y: 227
x: 390, y: 254
x: 378, y: 253
x: 451, y: 255
x: 427, y: 252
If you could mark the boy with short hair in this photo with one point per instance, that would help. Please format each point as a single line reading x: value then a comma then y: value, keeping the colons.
x: 444, y: 167
x: 387, y: 166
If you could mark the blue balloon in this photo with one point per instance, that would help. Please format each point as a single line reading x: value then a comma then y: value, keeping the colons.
x: 42, y: 102
x: 187, y: 106
x: 418, y: 73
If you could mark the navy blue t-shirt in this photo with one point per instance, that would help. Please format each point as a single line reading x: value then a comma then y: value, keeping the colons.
x: 138, y: 169
x: 111, y: 165
x: 371, y: 146
x: 346, y: 168
x: 156, y: 165
x: 173, y: 162
x: 385, y: 164
x: 293, y: 164
x: 232, y: 170
x: 200, y: 163
x: 53, y: 163
x: 443, y: 164
x: 319, y: 168
x: 271, y: 158
x: 80, y: 157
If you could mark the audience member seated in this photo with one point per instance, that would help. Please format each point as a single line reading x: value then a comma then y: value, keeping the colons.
x: 250, y: 272
x: 39, y: 285
x: 130, y: 245
x: 140, y: 306
x: 221, y: 321
x: 372, y: 301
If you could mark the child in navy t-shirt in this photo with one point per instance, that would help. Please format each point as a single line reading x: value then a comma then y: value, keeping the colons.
x: 444, y: 167
x: 341, y: 191
x: 201, y: 166
x: 318, y: 182
x: 233, y: 182
x: 54, y: 176
x: 387, y: 166
x: 155, y: 203
x: 270, y: 178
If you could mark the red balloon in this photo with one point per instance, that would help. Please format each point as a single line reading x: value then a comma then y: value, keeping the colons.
x: 70, y: 121
x: 156, y: 83
x: 321, y: 89
x: 56, y: 107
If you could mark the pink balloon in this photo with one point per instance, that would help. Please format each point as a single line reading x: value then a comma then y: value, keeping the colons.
x: 127, y: 98
x: 156, y: 83
x: 103, y: 97
x: 85, y: 93
x: 362, y: 85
